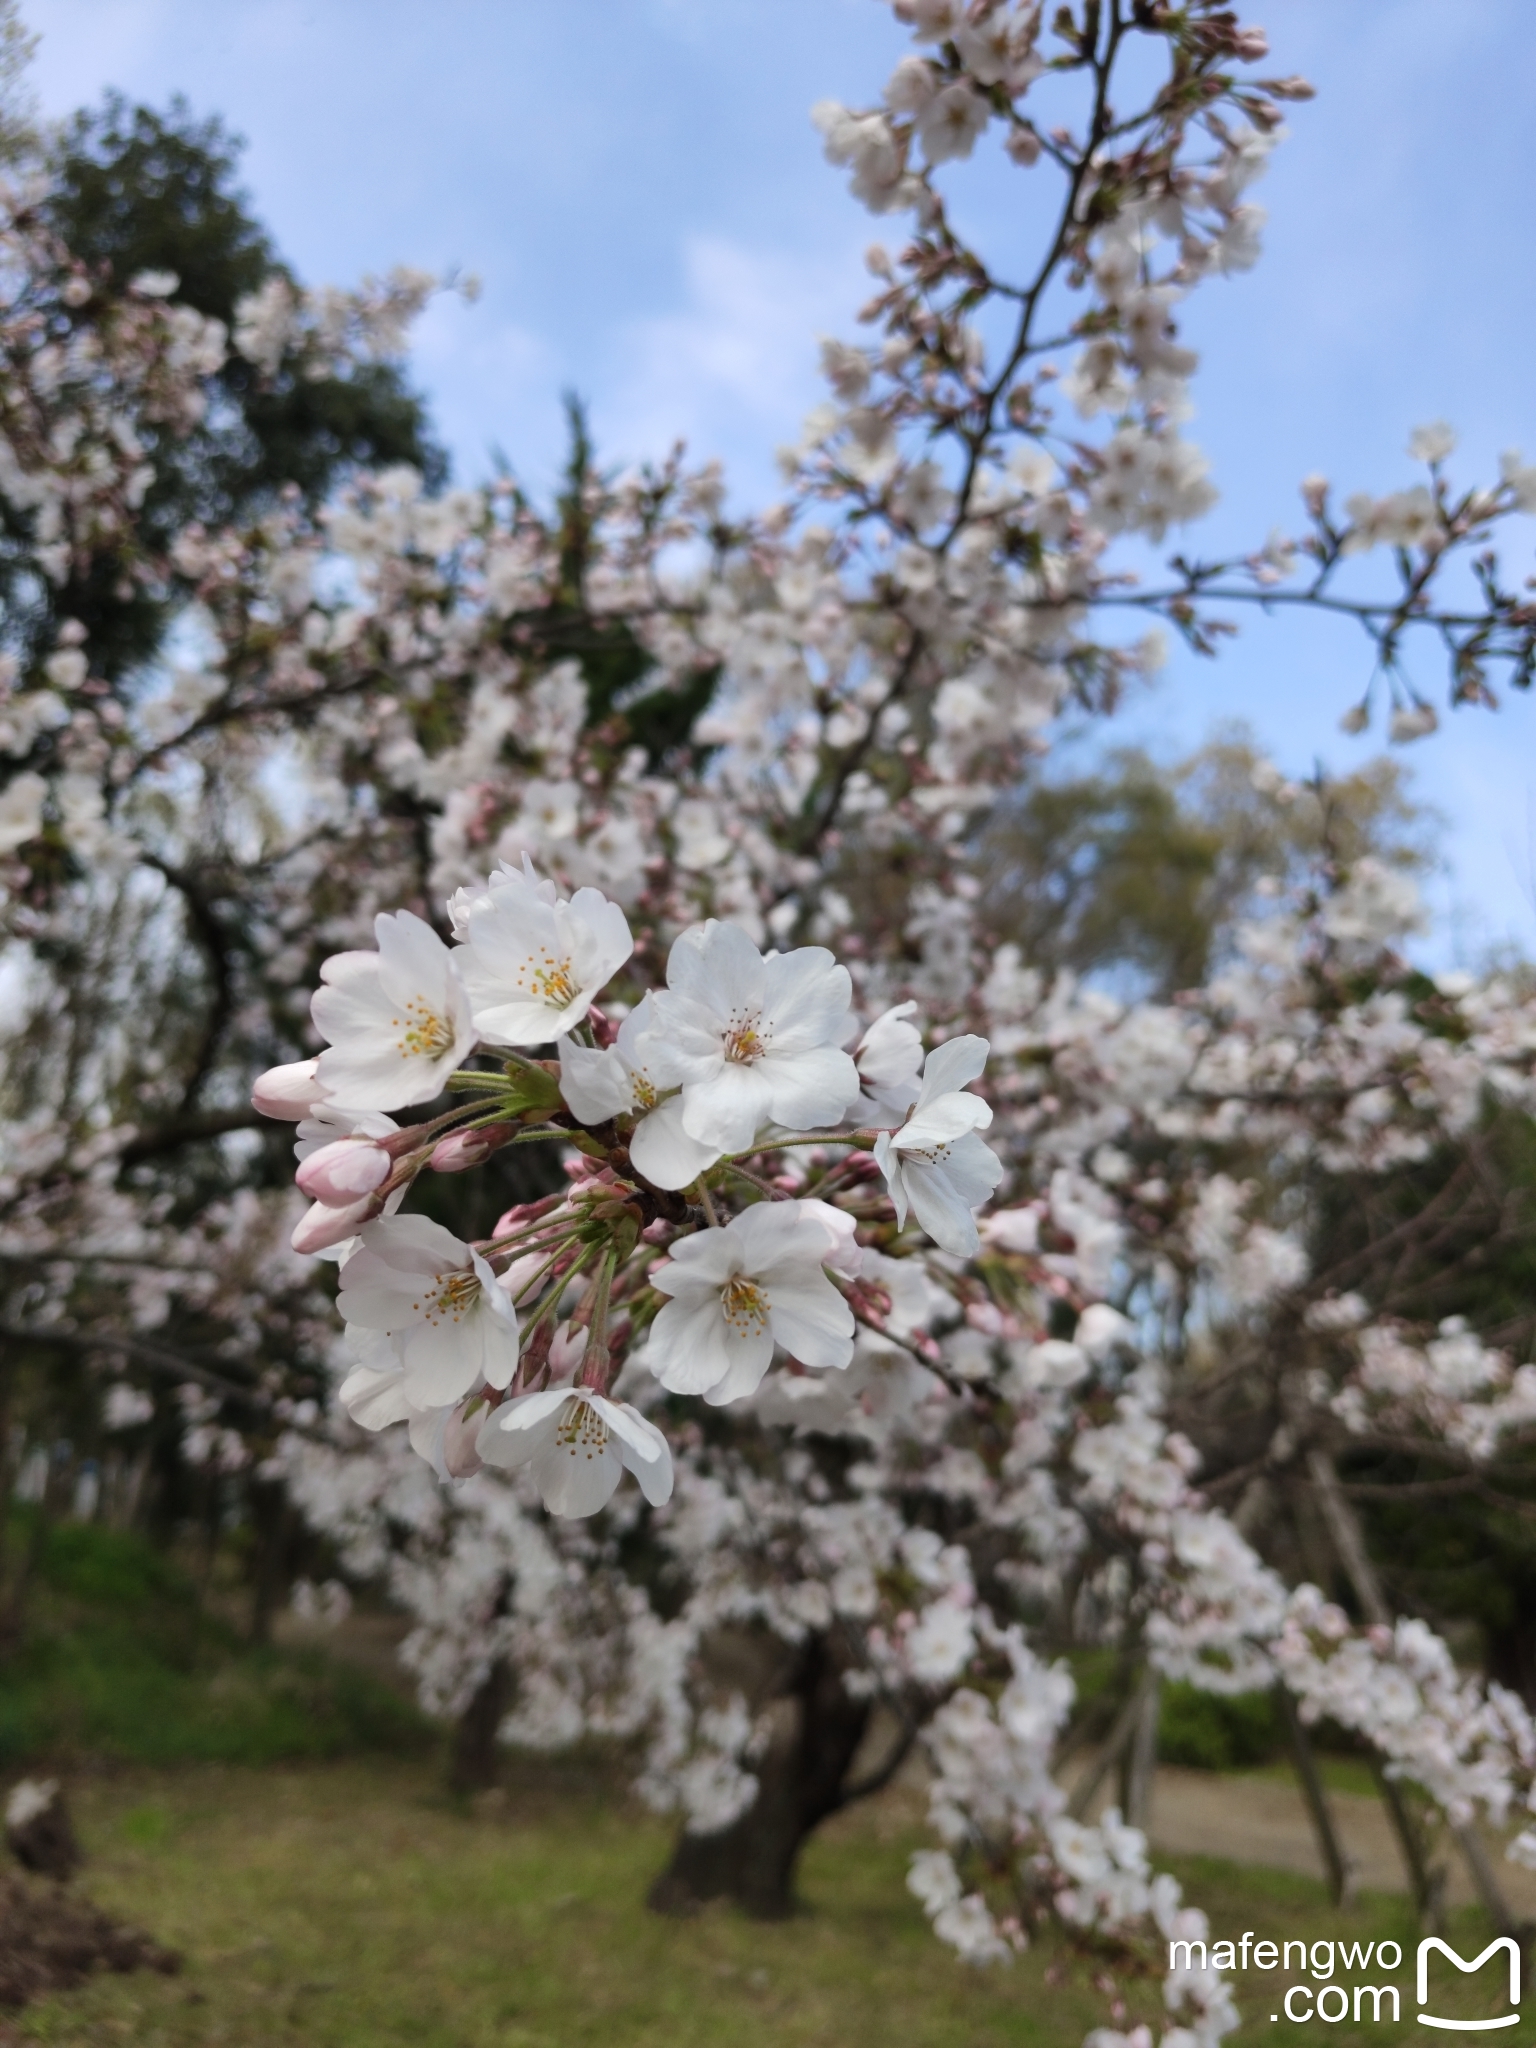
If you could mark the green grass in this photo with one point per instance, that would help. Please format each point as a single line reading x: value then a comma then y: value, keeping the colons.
x: 354, y: 1906
x: 119, y: 1662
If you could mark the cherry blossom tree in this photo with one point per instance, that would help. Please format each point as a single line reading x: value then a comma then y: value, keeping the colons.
x: 773, y: 1321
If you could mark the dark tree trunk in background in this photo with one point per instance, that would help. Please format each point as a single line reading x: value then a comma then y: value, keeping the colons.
x: 802, y: 1780
x: 271, y: 1531
x: 472, y: 1767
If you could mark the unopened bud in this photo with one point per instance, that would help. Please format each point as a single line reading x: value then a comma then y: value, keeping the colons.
x: 463, y: 1149
x: 341, y: 1173
x: 323, y: 1226
x: 523, y: 1213
x: 289, y: 1092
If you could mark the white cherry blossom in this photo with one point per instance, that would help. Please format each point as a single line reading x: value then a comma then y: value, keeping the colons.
x: 398, y: 1020
x: 737, y: 1291
x: 577, y: 1445
x: 532, y: 961
x: 615, y: 1081
x: 889, y: 1058
x: 436, y: 1298
x: 749, y: 1040
x: 936, y: 1163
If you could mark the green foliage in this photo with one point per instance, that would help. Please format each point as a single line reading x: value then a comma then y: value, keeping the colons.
x: 131, y: 190
x: 119, y: 1660
x: 1144, y: 872
x: 614, y: 661
x: 1103, y: 871
x: 1208, y: 1732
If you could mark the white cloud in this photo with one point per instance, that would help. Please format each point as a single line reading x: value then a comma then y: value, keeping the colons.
x: 733, y: 370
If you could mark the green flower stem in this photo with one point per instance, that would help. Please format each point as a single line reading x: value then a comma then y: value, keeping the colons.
x: 530, y: 1241
x: 595, y: 1360
x: 862, y: 1140
x: 557, y: 1294
x: 554, y: 1258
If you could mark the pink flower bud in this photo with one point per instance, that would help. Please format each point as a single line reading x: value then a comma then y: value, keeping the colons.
x: 289, y: 1092
x: 520, y: 1213
x: 566, y: 1350
x: 322, y: 1226
x: 342, y: 1172
x: 463, y: 1149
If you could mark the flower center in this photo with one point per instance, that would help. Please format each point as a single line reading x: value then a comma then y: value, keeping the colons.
x: 745, y: 1305
x: 646, y: 1096
x: 423, y: 1033
x: 582, y: 1431
x: 548, y: 978
x: 452, y: 1299
x: 926, y: 1155
x: 744, y: 1043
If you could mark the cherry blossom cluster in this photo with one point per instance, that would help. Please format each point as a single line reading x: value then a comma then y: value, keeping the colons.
x: 490, y: 1350
x: 327, y: 332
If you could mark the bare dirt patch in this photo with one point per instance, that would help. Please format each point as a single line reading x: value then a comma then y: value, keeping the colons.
x: 51, y: 1939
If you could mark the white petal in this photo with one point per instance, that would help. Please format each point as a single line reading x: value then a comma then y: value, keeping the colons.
x: 951, y: 1065
x: 720, y: 969
x: 374, y: 1399
x: 700, y: 1264
x: 528, y: 1411
x: 663, y: 1151
x: 596, y: 1085
x: 942, y: 1120
x: 805, y: 998
x: 810, y: 1090
x: 726, y: 1111
x: 972, y: 1168
x: 692, y: 1346
x: 813, y: 1322
x: 744, y: 1378
x: 441, y: 1365
x: 575, y: 1479
x: 938, y: 1208
x: 889, y: 1162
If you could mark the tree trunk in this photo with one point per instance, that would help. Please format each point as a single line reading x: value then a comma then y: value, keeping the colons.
x: 271, y: 1530
x: 802, y: 1779
x: 472, y: 1766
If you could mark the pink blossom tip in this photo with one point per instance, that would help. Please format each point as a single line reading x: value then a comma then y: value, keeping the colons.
x: 343, y: 1172
x: 322, y: 1226
x: 289, y: 1092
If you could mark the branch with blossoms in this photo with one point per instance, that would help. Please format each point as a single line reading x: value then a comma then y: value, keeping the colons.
x: 505, y: 1350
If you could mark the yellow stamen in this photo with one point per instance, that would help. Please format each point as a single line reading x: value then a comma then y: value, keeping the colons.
x: 582, y: 1429
x: 745, y: 1306
x: 744, y: 1044
x: 452, y: 1299
x: 548, y: 978
x: 423, y: 1033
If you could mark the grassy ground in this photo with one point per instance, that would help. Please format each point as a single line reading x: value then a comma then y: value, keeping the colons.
x: 278, y: 1816
x: 121, y: 1660
x: 354, y: 1906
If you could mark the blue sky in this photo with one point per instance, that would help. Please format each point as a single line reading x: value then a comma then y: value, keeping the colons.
x: 638, y: 185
